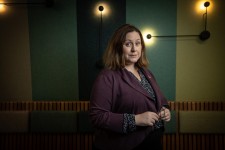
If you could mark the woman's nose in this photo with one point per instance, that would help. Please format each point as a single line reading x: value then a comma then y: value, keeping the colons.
x: 133, y: 48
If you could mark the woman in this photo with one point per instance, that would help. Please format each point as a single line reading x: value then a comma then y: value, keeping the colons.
x: 127, y: 107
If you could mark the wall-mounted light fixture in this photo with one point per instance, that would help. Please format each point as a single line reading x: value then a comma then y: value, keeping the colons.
x: 48, y: 3
x: 100, y: 8
x: 204, y: 35
x: 99, y: 63
x: 105, y: 9
x: 149, y: 36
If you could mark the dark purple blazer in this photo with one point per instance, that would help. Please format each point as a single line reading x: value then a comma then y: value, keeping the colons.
x: 114, y: 93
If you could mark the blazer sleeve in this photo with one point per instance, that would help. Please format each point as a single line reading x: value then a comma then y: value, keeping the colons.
x: 101, y: 100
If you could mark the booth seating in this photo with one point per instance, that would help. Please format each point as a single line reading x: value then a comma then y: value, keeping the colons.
x: 65, y: 125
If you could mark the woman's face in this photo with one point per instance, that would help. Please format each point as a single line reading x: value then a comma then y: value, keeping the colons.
x: 132, y: 48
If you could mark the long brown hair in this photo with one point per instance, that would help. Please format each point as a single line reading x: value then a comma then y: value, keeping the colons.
x: 113, y: 57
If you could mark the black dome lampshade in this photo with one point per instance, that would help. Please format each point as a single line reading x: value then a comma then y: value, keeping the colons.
x: 204, y: 35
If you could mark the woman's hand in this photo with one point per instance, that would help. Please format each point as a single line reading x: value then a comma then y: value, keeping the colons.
x: 146, y: 119
x: 164, y: 114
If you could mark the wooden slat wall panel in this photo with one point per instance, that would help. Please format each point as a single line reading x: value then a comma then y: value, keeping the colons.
x: 195, y: 141
x: 78, y: 141
x: 38, y: 141
x: 51, y: 105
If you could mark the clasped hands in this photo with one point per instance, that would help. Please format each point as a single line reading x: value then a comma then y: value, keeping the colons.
x: 148, y: 118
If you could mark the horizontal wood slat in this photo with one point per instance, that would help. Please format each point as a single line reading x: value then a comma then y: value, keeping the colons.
x: 48, y: 141
x: 40, y: 141
x: 83, y: 141
x: 84, y: 106
x: 45, y: 105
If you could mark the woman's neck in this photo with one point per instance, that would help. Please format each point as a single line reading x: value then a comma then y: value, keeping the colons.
x: 134, y: 70
x: 131, y: 68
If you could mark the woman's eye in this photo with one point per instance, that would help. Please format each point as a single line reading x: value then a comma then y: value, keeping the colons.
x: 128, y: 44
x: 138, y: 43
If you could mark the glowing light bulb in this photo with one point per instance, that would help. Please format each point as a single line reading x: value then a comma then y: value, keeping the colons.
x: 2, y: 8
x: 147, y: 35
x: 101, y: 8
x: 201, y: 6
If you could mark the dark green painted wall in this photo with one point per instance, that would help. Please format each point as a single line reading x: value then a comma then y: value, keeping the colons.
x: 160, y: 16
x: 51, y: 40
x: 89, y: 49
x: 53, y: 49
x: 64, y: 44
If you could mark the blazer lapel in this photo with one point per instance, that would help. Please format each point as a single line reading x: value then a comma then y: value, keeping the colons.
x: 133, y: 83
x: 152, y: 81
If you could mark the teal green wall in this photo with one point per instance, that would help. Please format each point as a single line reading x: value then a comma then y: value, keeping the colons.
x: 160, y: 16
x: 53, y: 49
x: 90, y: 51
x: 54, y: 44
x: 39, y: 49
